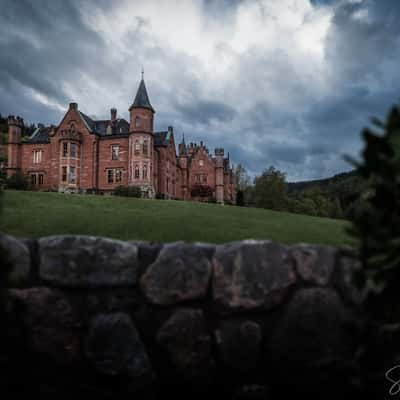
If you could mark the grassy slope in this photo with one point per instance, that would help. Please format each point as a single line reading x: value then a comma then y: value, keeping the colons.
x: 34, y: 214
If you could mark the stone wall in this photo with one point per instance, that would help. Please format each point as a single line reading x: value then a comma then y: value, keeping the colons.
x: 251, y: 319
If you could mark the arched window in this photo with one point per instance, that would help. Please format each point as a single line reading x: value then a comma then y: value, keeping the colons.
x: 145, y: 147
x: 137, y: 172
x: 137, y: 147
x: 145, y: 171
x: 137, y: 122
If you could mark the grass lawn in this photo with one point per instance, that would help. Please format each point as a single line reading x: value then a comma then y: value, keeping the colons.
x: 36, y: 214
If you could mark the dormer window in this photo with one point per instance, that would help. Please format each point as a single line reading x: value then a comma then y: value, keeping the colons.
x: 201, y: 163
x: 137, y: 122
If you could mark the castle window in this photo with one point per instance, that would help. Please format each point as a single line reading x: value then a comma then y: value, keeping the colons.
x: 137, y: 172
x: 40, y: 179
x: 71, y: 174
x: 137, y: 122
x: 137, y: 147
x: 145, y: 147
x: 72, y: 150
x: 118, y: 175
x: 37, y: 156
x: 110, y: 176
x: 64, y: 174
x: 201, y: 163
x: 115, y: 152
x: 65, y: 149
x: 204, y: 178
x: 33, y: 179
x: 145, y: 171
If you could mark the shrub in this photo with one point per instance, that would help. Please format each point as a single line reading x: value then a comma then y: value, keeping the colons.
x: 201, y: 191
x: 127, y: 191
x: 18, y: 181
x: 240, y: 198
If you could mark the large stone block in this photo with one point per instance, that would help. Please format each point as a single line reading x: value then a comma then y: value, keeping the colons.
x: 314, y: 339
x: 186, y: 340
x: 87, y: 261
x: 114, y: 348
x: 181, y: 272
x: 251, y: 275
x: 51, y: 324
x: 239, y: 344
x: 314, y: 264
x: 17, y: 254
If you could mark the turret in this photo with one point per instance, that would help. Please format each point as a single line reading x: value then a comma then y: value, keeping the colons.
x: 141, y: 142
x: 219, y: 175
x: 15, y: 126
x: 141, y: 111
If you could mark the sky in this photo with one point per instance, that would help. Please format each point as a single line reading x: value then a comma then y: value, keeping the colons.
x: 287, y: 83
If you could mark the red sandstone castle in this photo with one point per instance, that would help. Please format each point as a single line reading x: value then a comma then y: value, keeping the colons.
x: 81, y: 155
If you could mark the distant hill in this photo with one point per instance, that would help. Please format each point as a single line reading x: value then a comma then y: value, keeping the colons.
x: 343, y: 190
x: 321, y: 183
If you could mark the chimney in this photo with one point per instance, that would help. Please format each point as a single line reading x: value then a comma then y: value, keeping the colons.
x: 113, y: 114
x: 73, y: 106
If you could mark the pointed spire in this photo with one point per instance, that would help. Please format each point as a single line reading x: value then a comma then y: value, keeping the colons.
x: 182, y: 146
x: 142, y: 98
x: 142, y: 72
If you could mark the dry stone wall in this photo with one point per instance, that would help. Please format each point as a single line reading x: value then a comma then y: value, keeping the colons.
x: 250, y: 319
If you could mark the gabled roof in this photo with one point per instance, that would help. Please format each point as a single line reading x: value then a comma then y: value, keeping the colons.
x: 88, y: 121
x: 142, y: 98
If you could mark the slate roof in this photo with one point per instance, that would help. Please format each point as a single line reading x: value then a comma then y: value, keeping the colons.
x: 142, y: 98
x: 99, y: 127
x: 162, y: 138
x: 41, y: 135
x: 120, y: 127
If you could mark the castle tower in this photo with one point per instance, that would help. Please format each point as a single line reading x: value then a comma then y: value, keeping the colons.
x: 219, y: 175
x: 183, y: 164
x: 15, y: 126
x: 141, y: 142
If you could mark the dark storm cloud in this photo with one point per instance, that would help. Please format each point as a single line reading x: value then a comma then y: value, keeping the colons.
x: 43, y: 44
x: 205, y: 111
x: 267, y: 110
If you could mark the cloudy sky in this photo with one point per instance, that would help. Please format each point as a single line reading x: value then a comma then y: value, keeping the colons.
x: 288, y: 83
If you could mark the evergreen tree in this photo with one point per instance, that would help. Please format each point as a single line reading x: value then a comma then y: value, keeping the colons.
x: 377, y: 222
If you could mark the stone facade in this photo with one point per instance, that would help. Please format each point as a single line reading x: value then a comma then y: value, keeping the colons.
x: 243, y: 320
x: 82, y: 154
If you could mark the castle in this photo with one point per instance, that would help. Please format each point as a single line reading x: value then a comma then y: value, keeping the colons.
x: 86, y: 155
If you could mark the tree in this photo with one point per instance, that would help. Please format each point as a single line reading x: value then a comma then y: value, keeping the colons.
x: 242, y: 182
x: 376, y: 223
x: 270, y: 190
x: 242, y: 178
